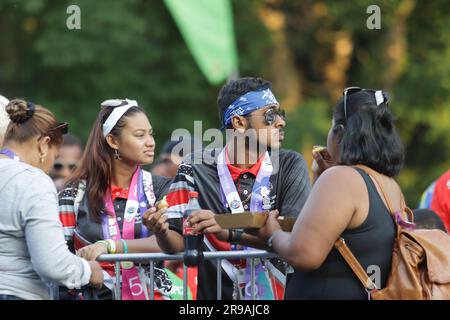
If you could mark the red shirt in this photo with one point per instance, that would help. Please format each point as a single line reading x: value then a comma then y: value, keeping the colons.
x: 237, y: 172
x: 118, y: 192
x: 441, y: 199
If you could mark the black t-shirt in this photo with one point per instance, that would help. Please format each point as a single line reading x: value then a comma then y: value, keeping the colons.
x: 289, y: 189
x: 371, y: 243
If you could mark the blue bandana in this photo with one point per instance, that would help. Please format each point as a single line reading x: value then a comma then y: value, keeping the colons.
x: 247, y: 103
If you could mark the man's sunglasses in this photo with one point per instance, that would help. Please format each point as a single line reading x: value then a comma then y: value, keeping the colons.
x: 58, y: 166
x: 270, y: 116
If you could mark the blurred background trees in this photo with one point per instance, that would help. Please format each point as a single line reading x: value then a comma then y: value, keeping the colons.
x: 310, y: 50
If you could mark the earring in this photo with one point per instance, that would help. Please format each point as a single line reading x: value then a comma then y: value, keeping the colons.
x: 117, y: 155
x: 41, y: 159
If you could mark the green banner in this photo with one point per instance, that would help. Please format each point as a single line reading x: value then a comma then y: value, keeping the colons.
x: 176, y: 293
x: 207, y: 28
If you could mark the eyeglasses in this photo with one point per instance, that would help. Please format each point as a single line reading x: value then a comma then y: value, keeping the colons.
x: 348, y: 91
x: 270, y: 116
x: 58, y: 166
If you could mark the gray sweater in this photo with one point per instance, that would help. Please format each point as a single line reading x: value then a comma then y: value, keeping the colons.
x: 33, y: 251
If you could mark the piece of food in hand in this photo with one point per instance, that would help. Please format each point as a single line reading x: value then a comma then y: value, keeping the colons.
x: 318, y: 148
x: 323, y: 152
x: 163, y: 204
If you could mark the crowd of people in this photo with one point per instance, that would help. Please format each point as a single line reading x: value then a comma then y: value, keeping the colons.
x: 65, y: 204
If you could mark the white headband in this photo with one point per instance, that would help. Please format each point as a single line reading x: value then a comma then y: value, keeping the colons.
x: 379, y: 97
x: 121, y: 106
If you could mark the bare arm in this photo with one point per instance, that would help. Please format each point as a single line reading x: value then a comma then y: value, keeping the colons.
x: 327, y: 213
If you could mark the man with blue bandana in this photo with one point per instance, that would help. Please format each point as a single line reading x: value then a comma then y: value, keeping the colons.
x: 251, y: 173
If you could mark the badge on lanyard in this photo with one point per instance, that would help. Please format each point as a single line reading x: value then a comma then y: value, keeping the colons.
x: 234, y: 204
x: 112, y: 226
x: 129, y: 214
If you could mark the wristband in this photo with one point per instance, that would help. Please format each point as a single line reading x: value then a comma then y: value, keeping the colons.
x: 111, y: 246
x: 230, y: 235
x: 125, y: 246
x: 237, y: 235
x: 105, y: 243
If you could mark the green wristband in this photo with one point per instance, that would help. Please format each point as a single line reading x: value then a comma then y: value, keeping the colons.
x: 125, y: 246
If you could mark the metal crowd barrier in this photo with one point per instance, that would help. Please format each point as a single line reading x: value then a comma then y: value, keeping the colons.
x: 151, y: 258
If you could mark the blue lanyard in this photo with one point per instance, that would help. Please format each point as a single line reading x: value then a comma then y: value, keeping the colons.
x: 10, y: 154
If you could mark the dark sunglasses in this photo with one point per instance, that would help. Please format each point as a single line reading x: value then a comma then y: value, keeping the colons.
x: 58, y: 166
x: 62, y: 126
x: 348, y: 91
x: 270, y: 116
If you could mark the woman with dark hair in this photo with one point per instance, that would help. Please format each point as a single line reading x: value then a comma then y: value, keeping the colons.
x: 110, y: 203
x: 32, y: 246
x: 345, y: 202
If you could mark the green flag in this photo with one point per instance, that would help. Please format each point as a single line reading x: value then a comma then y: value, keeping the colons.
x: 207, y: 28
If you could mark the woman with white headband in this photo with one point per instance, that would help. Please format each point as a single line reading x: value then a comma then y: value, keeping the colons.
x: 349, y: 207
x: 110, y: 195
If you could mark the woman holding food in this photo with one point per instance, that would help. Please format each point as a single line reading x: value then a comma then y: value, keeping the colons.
x: 111, y: 205
x: 349, y: 204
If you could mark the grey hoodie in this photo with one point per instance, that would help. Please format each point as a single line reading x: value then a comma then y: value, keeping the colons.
x: 32, y: 246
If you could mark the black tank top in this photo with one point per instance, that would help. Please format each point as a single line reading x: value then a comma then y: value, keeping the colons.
x: 371, y: 243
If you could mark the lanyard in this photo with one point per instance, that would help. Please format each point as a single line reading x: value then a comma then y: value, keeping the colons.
x: 10, y: 154
x: 132, y: 286
x: 260, y: 200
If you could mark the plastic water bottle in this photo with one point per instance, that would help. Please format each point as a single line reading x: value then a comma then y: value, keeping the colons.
x: 193, y: 243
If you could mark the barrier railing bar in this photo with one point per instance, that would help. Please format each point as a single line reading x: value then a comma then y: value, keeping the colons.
x: 145, y: 257
x: 252, y: 281
x: 219, y: 279
x: 185, y: 279
x: 117, y: 284
x: 152, y: 283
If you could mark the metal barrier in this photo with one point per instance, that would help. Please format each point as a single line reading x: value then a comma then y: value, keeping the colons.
x: 151, y: 258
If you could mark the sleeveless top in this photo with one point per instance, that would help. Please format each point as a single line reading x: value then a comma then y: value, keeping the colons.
x: 371, y: 243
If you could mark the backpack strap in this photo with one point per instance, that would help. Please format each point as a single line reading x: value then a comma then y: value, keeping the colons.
x: 351, y: 260
x: 403, y: 208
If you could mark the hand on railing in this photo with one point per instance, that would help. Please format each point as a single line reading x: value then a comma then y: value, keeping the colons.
x: 92, y: 251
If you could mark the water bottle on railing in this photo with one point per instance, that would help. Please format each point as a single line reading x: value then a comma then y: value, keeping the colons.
x: 193, y: 243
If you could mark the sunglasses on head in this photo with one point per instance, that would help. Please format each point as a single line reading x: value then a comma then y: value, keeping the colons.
x: 62, y: 126
x: 379, y: 99
x: 271, y: 115
x: 349, y: 91
x: 58, y: 166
